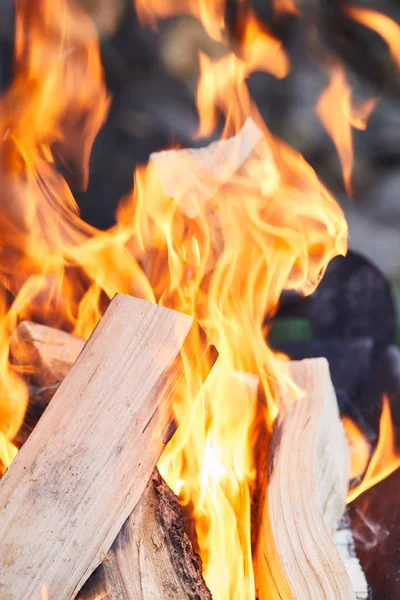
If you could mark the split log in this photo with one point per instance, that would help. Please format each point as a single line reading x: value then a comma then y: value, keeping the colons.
x: 46, y: 356
x: 152, y: 556
x: 46, y: 352
x: 84, y: 468
x: 308, y: 469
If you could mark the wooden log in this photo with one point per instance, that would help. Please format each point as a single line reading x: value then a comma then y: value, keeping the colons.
x: 84, y: 468
x: 152, y: 557
x: 46, y: 355
x: 308, y: 469
x: 45, y: 352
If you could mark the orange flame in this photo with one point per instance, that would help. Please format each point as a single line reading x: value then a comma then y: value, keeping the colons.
x: 384, y: 26
x: 360, y: 114
x: 285, y: 7
x: 359, y: 448
x: 236, y: 222
x: 260, y: 50
x: 338, y: 114
x: 210, y: 12
x: 217, y: 233
x: 385, y: 459
x: 333, y: 109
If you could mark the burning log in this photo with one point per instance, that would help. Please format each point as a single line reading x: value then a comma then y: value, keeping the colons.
x: 46, y: 354
x: 86, y: 466
x: 307, y: 487
x: 49, y: 352
x: 152, y: 556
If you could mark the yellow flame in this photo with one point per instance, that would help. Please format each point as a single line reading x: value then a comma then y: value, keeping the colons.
x: 216, y: 233
x: 385, y: 459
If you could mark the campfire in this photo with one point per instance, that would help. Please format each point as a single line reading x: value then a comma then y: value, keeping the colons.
x: 155, y: 442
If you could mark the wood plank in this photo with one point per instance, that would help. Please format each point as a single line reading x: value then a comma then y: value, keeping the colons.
x: 308, y: 469
x: 152, y: 556
x: 86, y: 464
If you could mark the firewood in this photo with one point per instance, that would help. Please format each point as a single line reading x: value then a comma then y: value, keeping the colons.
x: 87, y: 463
x: 152, y: 555
x: 308, y: 469
x: 47, y: 352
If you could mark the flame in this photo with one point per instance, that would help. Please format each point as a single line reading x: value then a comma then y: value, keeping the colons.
x: 360, y: 114
x: 45, y: 593
x: 386, y: 457
x: 338, y: 114
x: 216, y: 233
x: 260, y: 49
x: 333, y: 109
x: 236, y: 222
x: 384, y: 26
x: 285, y: 7
x: 210, y: 12
x: 359, y: 448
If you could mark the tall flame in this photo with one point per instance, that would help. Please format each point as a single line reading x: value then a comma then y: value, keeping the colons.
x: 385, y: 459
x: 217, y: 233
x: 334, y: 108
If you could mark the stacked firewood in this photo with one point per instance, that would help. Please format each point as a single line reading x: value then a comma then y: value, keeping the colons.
x: 84, y: 512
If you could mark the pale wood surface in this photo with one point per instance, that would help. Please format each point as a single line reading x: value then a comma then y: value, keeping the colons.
x: 86, y: 464
x: 344, y: 541
x: 152, y: 556
x: 296, y: 556
x: 47, y: 351
x: 47, y: 355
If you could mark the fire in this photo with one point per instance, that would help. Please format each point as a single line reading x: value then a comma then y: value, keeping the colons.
x: 361, y: 113
x: 359, y: 448
x: 285, y: 7
x: 333, y: 109
x: 385, y: 459
x: 382, y: 24
x: 338, y: 114
x: 210, y: 12
x: 217, y: 233
x: 260, y: 49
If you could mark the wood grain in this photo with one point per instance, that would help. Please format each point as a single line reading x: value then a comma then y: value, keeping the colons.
x: 296, y: 556
x: 86, y: 464
x: 152, y: 556
x: 46, y: 352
